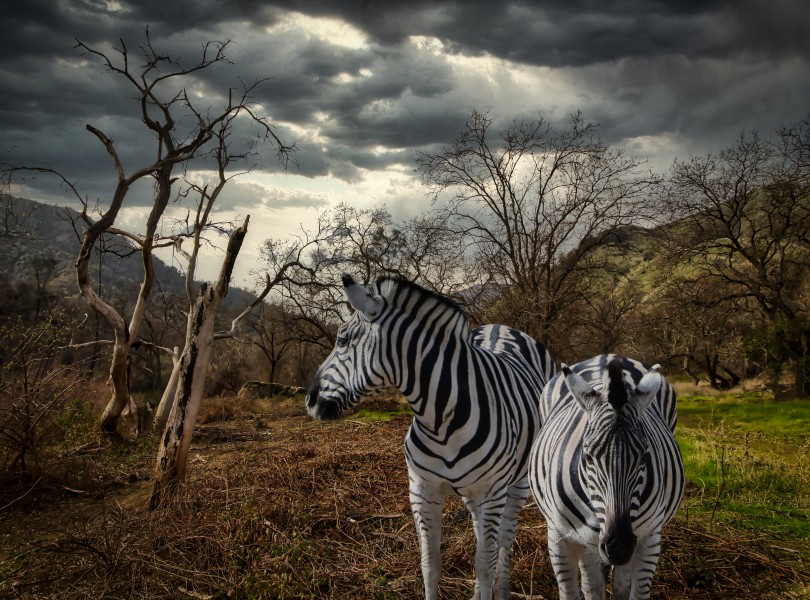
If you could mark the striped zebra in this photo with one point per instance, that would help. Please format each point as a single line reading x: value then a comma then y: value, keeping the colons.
x: 607, y: 474
x: 474, y: 396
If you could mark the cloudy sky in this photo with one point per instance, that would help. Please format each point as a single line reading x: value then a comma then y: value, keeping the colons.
x: 360, y: 85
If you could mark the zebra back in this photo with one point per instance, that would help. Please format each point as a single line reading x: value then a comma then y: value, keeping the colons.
x: 501, y: 339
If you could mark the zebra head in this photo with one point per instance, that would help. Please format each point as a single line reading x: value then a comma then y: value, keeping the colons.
x: 350, y: 372
x: 615, y: 451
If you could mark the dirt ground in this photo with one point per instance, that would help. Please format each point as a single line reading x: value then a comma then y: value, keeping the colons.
x: 279, y: 506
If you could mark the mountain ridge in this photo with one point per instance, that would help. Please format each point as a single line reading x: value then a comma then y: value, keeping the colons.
x: 42, y: 242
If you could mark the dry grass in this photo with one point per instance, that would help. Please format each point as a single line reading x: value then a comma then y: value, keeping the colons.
x: 291, y: 508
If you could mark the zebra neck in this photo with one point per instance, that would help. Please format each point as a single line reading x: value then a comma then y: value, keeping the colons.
x: 429, y: 354
x: 440, y: 397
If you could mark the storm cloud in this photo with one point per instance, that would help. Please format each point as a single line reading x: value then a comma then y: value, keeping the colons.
x: 359, y: 86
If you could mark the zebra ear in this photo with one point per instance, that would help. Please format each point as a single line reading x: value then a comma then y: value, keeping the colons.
x: 648, y: 387
x: 360, y: 297
x: 580, y: 389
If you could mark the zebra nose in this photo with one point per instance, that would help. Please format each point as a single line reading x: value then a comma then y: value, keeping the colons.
x: 328, y: 410
x: 312, y: 392
x: 618, y: 544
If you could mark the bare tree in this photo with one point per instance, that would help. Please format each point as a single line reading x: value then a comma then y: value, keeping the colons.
x: 12, y: 216
x: 183, y: 395
x: 365, y: 242
x: 181, y: 133
x: 606, y: 320
x: 744, y: 216
x: 278, y: 332
x: 346, y: 238
x: 172, y: 459
x: 531, y: 204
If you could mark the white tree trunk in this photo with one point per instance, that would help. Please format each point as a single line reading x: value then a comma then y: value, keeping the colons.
x: 172, y: 459
x: 161, y: 415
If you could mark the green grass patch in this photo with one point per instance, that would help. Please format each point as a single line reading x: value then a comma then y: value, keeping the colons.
x: 380, y: 409
x: 746, y: 460
x: 380, y: 414
x: 751, y: 412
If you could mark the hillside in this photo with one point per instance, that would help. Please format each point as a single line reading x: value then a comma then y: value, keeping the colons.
x: 46, y: 239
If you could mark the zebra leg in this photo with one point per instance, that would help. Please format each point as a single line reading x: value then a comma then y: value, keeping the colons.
x: 564, y: 555
x: 426, y: 504
x: 486, y: 550
x: 622, y: 580
x: 515, y: 499
x: 641, y: 568
x: 473, y: 508
x: 592, y: 572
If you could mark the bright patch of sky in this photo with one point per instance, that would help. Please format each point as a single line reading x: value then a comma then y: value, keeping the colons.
x: 335, y: 31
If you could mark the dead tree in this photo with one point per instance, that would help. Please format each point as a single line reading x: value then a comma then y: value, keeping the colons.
x: 166, y: 110
x: 532, y: 204
x: 190, y: 370
x: 175, y: 442
x: 177, y: 413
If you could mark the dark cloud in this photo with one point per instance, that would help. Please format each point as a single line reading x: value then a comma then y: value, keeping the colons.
x: 697, y: 71
x: 242, y: 195
x: 581, y: 32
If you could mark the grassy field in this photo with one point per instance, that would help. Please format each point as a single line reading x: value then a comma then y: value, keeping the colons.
x: 748, y: 463
x: 279, y: 506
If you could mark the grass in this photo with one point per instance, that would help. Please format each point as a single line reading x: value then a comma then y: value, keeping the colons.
x: 748, y: 472
x: 381, y: 410
x: 280, y: 506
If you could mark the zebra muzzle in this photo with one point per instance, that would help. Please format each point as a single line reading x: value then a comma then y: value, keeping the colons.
x: 328, y: 410
x: 618, y: 543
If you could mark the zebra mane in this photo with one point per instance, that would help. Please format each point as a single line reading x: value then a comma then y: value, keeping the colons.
x: 401, y: 292
x: 617, y: 392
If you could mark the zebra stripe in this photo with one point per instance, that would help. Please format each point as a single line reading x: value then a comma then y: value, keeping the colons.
x: 607, y: 474
x: 474, y: 396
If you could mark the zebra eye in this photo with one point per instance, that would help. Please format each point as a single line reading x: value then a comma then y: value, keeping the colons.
x: 342, y: 342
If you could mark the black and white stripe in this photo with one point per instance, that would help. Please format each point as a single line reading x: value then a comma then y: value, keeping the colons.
x: 607, y: 474
x: 475, y: 398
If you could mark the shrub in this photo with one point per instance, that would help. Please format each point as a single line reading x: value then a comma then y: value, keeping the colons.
x: 34, y: 388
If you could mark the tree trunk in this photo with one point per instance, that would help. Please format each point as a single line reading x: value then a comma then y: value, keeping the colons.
x: 735, y: 379
x: 119, y: 377
x: 688, y: 371
x: 172, y: 459
x: 167, y: 400
x: 801, y: 379
x: 717, y: 381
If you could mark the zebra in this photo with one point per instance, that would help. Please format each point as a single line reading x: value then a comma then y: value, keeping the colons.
x: 475, y: 400
x: 607, y: 474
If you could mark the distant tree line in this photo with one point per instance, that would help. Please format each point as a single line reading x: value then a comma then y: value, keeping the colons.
x: 704, y: 269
